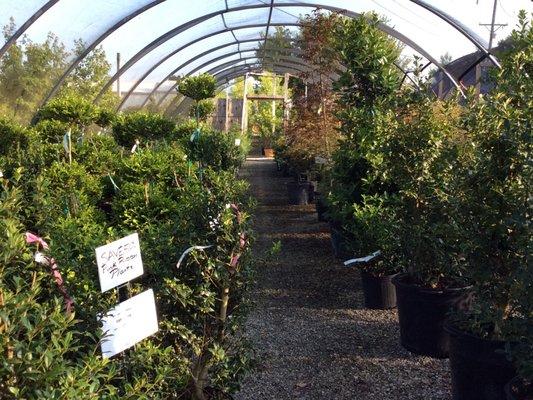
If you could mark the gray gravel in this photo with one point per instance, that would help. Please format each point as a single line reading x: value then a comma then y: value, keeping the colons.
x: 313, y: 338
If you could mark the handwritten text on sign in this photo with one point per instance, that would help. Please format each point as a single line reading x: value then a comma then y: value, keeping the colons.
x: 119, y: 262
x: 128, y: 323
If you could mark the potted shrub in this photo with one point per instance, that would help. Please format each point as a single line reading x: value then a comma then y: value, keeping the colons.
x: 416, y: 149
x: 494, y: 211
x: 374, y: 236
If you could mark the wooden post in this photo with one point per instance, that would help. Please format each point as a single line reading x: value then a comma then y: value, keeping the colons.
x: 478, y: 79
x: 274, y: 84
x: 228, y: 108
x: 286, y: 102
x: 244, y: 121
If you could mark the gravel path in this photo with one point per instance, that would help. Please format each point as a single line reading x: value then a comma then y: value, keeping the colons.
x: 313, y: 338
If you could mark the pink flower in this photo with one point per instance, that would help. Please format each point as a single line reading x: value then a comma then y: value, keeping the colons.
x: 32, y: 238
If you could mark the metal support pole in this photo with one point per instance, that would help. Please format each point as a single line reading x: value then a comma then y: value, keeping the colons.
x: 118, y: 78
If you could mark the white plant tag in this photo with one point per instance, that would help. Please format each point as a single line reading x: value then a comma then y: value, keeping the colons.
x: 119, y: 262
x: 128, y: 323
x: 363, y: 259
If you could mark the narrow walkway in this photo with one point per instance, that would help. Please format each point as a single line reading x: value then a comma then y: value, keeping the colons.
x: 313, y: 338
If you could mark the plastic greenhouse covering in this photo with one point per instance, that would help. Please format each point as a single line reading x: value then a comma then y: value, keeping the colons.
x: 160, y: 39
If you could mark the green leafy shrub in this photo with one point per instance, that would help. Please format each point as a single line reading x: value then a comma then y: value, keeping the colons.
x: 143, y: 127
x: 216, y: 149
x: 199, y: 87
x: 71, y: 109
x: 494, y: 205
x: 204, y: 109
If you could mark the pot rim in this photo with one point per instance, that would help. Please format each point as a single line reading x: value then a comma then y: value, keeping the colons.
x: 453, y: 330
x: 391, y: 276
x: 398, y: 280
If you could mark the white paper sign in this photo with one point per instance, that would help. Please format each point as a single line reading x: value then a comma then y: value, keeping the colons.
x: 237, y: 142
x: 128, y: 323
x: 119, y: 262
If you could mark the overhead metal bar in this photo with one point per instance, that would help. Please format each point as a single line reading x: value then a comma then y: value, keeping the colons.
x: 174, y: 52
x: 181, y: 28
x: 93, y: 45
x: 174, y: 72
x: 29, y: 22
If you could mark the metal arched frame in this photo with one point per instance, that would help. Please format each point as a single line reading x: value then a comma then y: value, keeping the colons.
x: 291, y: 51
x: 174, y: 52
x: 175, y: 71
x: 181, y: 28
x: 465, y: 31
x: 294, y: 60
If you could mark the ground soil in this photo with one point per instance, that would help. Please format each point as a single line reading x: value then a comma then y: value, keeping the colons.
x: 313, y: 338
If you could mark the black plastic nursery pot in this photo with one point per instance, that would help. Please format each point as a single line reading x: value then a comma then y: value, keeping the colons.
x: 298, y: 192
x: 480, y: 369
x: 321, y: 207
x: 339, y: 242
x: 379, y: 292
x: 422, y: 313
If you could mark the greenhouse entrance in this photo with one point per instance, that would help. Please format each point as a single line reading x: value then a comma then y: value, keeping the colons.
x: 266, y: 199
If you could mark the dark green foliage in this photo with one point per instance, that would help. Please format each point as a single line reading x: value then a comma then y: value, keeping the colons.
x: 203, y: 110
x: 198, y: 87
x: 71, y: 109
x: 162, y: 196
x: 494, y: 206
x: 143, y: 127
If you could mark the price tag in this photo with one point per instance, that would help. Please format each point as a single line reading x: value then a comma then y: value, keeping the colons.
x: 128, y: 323
x: 119, y: 262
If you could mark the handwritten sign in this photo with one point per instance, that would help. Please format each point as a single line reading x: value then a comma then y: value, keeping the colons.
x: 128, y: 323
x: 119, y: 262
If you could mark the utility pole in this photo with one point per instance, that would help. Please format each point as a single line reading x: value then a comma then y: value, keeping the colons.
x: 493, y: 25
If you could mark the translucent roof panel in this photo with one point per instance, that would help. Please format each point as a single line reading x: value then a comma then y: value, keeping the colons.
x: 156, y: 36
x: 19, y: 11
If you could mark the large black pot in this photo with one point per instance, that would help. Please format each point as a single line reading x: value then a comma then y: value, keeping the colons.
x: 339, y: 242
x: 379, y: 292
x: 422, y: 313
x: 321, y: 206
x: 518, y: 389
x: 298, y: 192
x: 480, y: 368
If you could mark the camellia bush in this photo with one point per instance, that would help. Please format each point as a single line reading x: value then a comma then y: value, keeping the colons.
x: 96, y: 192
x: 493, y: 203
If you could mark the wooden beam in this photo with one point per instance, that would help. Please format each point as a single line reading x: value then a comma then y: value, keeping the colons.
x: 265, y: 97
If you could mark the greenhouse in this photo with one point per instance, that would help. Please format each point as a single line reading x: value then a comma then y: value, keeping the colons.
x: 266, y: 199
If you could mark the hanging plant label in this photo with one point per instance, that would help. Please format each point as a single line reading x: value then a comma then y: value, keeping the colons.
x: 237, y: 142
x: 128, y: 323
x: 119, y: 262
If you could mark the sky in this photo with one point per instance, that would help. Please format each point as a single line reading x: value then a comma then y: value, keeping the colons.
x: 87, y: 19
